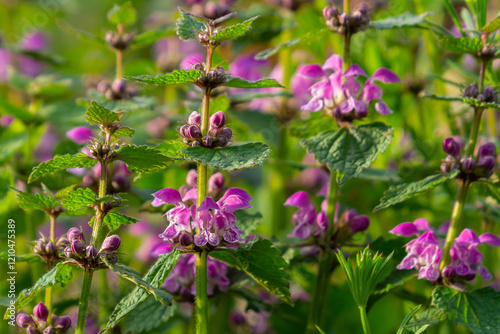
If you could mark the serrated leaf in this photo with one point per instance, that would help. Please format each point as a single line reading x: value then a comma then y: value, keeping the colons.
x: 261, y: 261
x: 188, y: 27
x: 148, y: 316
x: 79, y: 198
x: 272, y: 51
x: 461, y: 44
x: 492, y: 26
x: 407, y: 319
x: 155, y: 277
x: 350, y: 149
x: 124, y: 131
x: 97, y: 114
x: 423, y: 320
x: 29, y: 258
x: 482, y: 104
x: 236, y: 82
x: 477, y: 310
x: 60, y: 274
x: 113, y: 220
x: 132, y: 276
x: 399, y: 21
x: 150, y: 37
x: 17, y: 112
x: 172, y: 149
x: 248, y: 222
x: 176, y: 77
x: 36, y: 201
x: 402, y: 192
x: 230, y: 158
x: 143, y: 158
x: 234, y: 31
x: 440, y: 97
x: 315, y: 124
x: 61, y: 162
x: 124, y: 14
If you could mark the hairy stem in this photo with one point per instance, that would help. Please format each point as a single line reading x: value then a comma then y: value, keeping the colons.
x: 201, y: 293
x: 84, y: 302
x: 364, y: 320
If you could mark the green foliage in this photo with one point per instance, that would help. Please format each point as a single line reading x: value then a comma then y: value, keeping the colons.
x: 143, y: 158
x: 17, y: 112
x: 113, y: 220
x: 155, y: 277
x: 248, y: 222
x: 366, y: 273
x: 149, y: 315
x: 149, y: 37
x: 60, y: 274
x: 310, y: 127
x: 176, y: 77
x: 440, y: 97
x: 61, y: 162
x: 78, y: 198
x: 132, y: 276
x: 242, y: 83
x: 230, y: 158
x: 402, y: 192
x: 234, y: 31
x: 122, y: 14
x: 172, y: 149
x: 83, y: 35
x: 477, y: 310
x: 97, y: 114
x: 423, y: 320
x: 9, y: 145
x: 399, y: 21
x: 492, y: 26
x: 481, y: 104
x: 461, y: 44
x: 350, y: 149
x: 36, y: 201
x: 29, y: 258
x: 261, y: 261
x: 124, y: 131
x: 188, y: 27
x: 272, y: 51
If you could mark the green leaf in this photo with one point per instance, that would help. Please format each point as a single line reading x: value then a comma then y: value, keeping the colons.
x: 461, y: 45
x: 172, y: 149
x: 176, y: 77
x: 17, y: 112
x: 124, y: 14
x: 149, y: 37
x: 155, y: 277
x: 79, y: 198
x: 234, y: 31
x: 230, y: 158
x: 36, y: 201
x: 131, y: 275
x: 320, y: 330
x: 402, y: 192
x: 113, y: 220
x: 83, y: 35
x: 350, y: 149
x: 481, y: 104
x: 399, y: 21
x: 248, y: 222
x: 220, y: 103
x: 440, y: 97
x: 423, y: 320
x: 188, y: 27
x: 242, y: 83
x: 149, y: 315
x: 272, y: 51
x: 124, y: 131
x: 261, y: 261
x: 143, y: 158
x: 60, y: 274
x: 29, y: 258
x: 61, y: 162
x: 9, y: 145
x: 97, y: 114
x: 492, y: 26
x: 477, y: 310
x: 407, y: 319
x: 315, y: 124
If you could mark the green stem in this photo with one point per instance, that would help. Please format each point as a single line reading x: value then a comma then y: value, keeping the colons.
x: 103, y: 298
x: 84, y: 302
x: 347, y: 50
x: 119, y: 55
x: 482, y: 73
x: 201, y: 293
x: 364, y: 320
x: 476, y: 123
x: 347, y: 6
x: 277, y: 186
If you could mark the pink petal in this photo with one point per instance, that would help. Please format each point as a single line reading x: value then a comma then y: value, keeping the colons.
x: 382, y: 108
x: 405, y: 230
x: 490, y: 239
x: 191, y: 195
x: 468, y: 237
x: 208, y: 204
x: 80, y: 135
x: 167, y: 195
x: 354, y: 71
x: 236, y: 191
x: 372, y: 92
x: 312, y: 71
x: 385, y: 75
x: 313, y: 105
x: 233, y: 203
x: 333, y: 63
x: 300, y: 200
x: 201, y: 239
x: 191, y: 60
x: 422, y: 224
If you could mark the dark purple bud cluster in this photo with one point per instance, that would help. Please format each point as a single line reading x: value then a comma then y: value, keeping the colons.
x: 101, y: 151
x: 118, y: 41
x: 214, y: 78
x: 351, y: 223
x: 470, y: 168
x: 48, y: 250
x: 210, y: 9
x: 344, y: 23
x: 218, y: 135
x: 117, y: 90
x: 489, y: 94
x: 87, y: 256
x: 215, y: 189
x: 37, y: 323
x: 487, y: 52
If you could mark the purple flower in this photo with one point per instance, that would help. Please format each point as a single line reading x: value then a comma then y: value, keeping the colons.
x: 41, y: 312
x: 23, y: 320
x: 217, y: 121
x: 340, y: 91
x: 247, y: 67
x: 451, y: 147
x: 191, y: 60
x: 111, y: 243
x: 80, y: 135
x: 307, y: 221
x: 5, y: 120
x: 62, y: 323
x: 33, y: 41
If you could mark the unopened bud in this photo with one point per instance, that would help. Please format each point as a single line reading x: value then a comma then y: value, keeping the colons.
x: 357, y: 17
x: 471, y: 91
x: 448, y: 272
x: 194, y: 118
x: 111, y: 243
x: 49, y: 330
x: 226, y: 132
x: 208, y: 141
x: 23, y: 320
x: 31, y: 330
x: 192, y: 178
x: 328, y: 13
x: 41, y: 312
x: 363, y: 8
x: 344, y: 19
x: 451, y: 147
x: 193, y: 132
x: 215, y: 183
x: 74, y: 234
x: 62, y: 323
x: 487, y: 162
x: 91, y: 252
x: 103, y: 86
x: 487, y: 149
x: 119, y: 86
x: 186, y: 239
x: 50, y: 247
x: 360, y: 223
x: 468, y: 164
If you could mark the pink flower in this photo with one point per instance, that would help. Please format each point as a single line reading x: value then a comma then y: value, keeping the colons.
x: 80, y: 134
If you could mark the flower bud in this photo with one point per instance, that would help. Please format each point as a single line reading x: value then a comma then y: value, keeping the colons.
x: 112, y: 258
x: 468, y: 164
x: 108, y: 37
x: 448, y: 272
x: 77, y: 247
x: 360, y: 223
x: 103, y: 86
x: 487, y: 162
x: 193, y: 132
x: 68, y: 252
x: 183, y: 131
x: 50, y: 247
x: 194, y: 118
x: 226, y: 132
x: 62, y: 323
x: 215, y: 183
x: 208, y: 141
x: 119, y: 86
x: 222, y: 142
x: 111, y: 243
x: 328, y: 13
x: 186, y: 239
x: 39, y: 247
x: 91, y: 252
x: 74, y: 234
x: 195, y: 143
x: 451, y: 147
x: 363, y: 8
x: 469, y: 277
x: 192, y: 178
x: 31, y: 330
x: 471, y: 91
x: 49, y: 330
x: 41, y: 312
x: 357, y: 17
x: 238, y: 319
x: 344, y: 19
x: 487, y: 149
x: 23, y: 320
x: 217, y: 120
